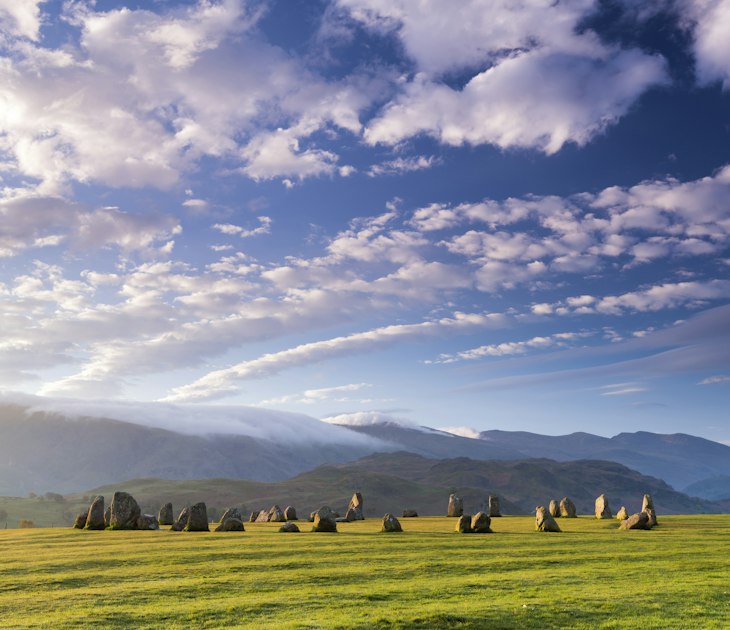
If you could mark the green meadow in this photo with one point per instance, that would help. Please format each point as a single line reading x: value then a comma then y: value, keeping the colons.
x: 590, y: 576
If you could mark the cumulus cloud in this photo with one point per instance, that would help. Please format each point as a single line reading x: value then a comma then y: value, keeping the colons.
x: 712, y: 39
x: 22, y: 19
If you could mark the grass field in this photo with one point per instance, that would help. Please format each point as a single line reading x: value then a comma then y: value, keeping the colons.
x: 590, y: 576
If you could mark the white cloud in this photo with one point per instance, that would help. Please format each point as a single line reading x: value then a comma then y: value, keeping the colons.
x: 368, y: 418
x: 711, y: 39
x: 714, y: 380
x: 338, y: 394
x: 21, y: 18
x: 465, y: 432
x: 263, y: 228
x: 402, y: 165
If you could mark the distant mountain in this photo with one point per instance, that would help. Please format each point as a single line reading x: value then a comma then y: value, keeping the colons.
x: 713, y: 489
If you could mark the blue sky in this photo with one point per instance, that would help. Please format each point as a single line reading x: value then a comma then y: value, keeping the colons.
x: 484, y: 215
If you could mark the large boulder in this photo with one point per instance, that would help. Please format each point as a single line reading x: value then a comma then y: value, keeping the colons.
x: 357, y: 508
x: 289, y: 528
x: 554, y: 508
x: 148, y: 521
x: 647, y: 505
x: 182, y: 520
x: 410, y: 514
x: 463, y: 525
x: 324, y: 522
x: 480, y: 523
x: 493, y: 506
x: 391, y: 524
x: 197, y: 519
x: 290, y: 514
x: 636, y: 521
x: 622, y: 513
x: 80, y: 520
x: 125, y: 512
x: 456, y: 506
x: 165, y: 515
x: 567, y: 508
x: 95, y: 516
x: 544, y: 522
x: 230, y: 524
x: 602, y: 508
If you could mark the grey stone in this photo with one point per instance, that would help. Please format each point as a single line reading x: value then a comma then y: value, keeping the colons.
x: 276, y: 514
x: 290, y: 514
x: 567, y: 508
x: 324, y: 522
x: 647, y: 505
x: 602, y: 508
x: 95, y: 516
x: 636, y: 521
x: 463, y: 525
x: 480, y: 523
x: 554, y: 508
x: 289, y: 528
x: 355, y: 509
x: 197, y: 519
x: 493, y: 506
x: 254, y: 516
x: 622, y: 514
x: 544, y: 522
x: 182, y: 520
x: 410, y: 514
x: 391, y: 524
x: 107, y: 515
x: 231, y: 513
x: 148, y: 521
x: 456, y: 506
x: 165, y: 515
x: 125, y: 511
x: 230, y: 524
x: 80, y: 521
x: 263, y: 517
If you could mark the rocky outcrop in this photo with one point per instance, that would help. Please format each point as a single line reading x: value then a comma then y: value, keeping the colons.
x: 125, y: 512
x: 355, y: 509
x: 567, y: 508
x: 456, y: 506
x: 493, y: 506
x: 480, y: 523
x: 463, y: 525
x: 391, y: 524
x: 554, y: 509
x: 602, y: 508
x: 165, y: 515
x: 290, y: 514
x: 95, y: 516
x: 544, y: 522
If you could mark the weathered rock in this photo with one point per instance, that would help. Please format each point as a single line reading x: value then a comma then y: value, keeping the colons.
x: 456, y: 506
x: 276, y: 514
x: 636, y: 521
x: 148, y: 521
x: 493, y: 506
x: 230, y: 524
x: 602, y: 508
x: 391, y: 524
x: 125, y: 512
x: 290, y: 514
x: 254, y: 516
x: 554, y: 508
x: 263, y: 516
x: 231, y: 513
x: 182, y: 520
x: 95, y: 516
x: 480, y: 523
x: 357, y: 507
x: 463, y: 525
x: 544, y: 522
x: 289, y: 528
x: 197, y: 519
x: 323, y: 511
x: 165, y: 515
x: 622, y: 513
x: 324, y: 523
x: 410, y: 514
x: 80, y: 521
x: 567, y: 508
x: 647, y: 505
x: 351, y: 515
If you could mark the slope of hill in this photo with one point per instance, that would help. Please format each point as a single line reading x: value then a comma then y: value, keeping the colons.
x: 712, y: 489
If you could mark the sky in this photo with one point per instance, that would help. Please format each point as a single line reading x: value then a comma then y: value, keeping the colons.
x: 486, y: 214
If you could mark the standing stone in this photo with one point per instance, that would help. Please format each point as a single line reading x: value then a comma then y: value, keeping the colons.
x: 567, y: 508
x: 323, y: 511
x: 80, y: 521
x: 647, y: 505
x: 95, y: 516
x: 182, y: 520
x: 231, y: 513
x: 125, y: 512
x: 493, y: 504
x: 290, y: 514
x: 148, y: 521
x: 324, y: 522
x: 289, y: 528
x: 254, y: 516
x: 480, y: 523
x: 263, y: 517
x: 463, y: 525
x: 554, y: 509
x: 197, y: 519
x: 165, y: 517
x: 276, y: 515
x: 391, y: 524
x: 622, y: 514
x: 410, y: 514
x: 231, y: 524
x: 544, y: 522
x: 356, y: 505
x: 636, y: 521
x: 456, y: 506
x: 602, y: 508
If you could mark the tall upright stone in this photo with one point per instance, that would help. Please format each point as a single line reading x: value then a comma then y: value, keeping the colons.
x: 567, y: 508
x: 355, y: 509
x: 647, y: 505
x: 290, y: 514
x: 95, y: 516
x: 276, y: 515
x: 493, y: 506
x: 456, y: 506
x: 165, y: 515
x: 125, y: 512
x: 182, y: 520
x: 554, y: 508
x: 197, y: 519
x: 544, y: 522
x: 602, y: 508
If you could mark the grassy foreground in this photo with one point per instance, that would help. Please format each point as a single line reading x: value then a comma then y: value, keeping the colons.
x: 590, y: 576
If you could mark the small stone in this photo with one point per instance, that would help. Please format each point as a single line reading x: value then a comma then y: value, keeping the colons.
x: 602, y: 508
x: 480, y: 523
x: 290, y: 514
x: 95, y: 516
x: 197, y: 519
x: 456, y: 506
x: 544, y: 522
x: 289, y: 528
x: 391, y: 524
x: 493, y: 506
x: 554, y: 508
x: 231, y: 524
x: 125, y: 511
x: 165, y: 515
x: 410, y: 514
x: 567, y: 508
x: 622, y: 514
